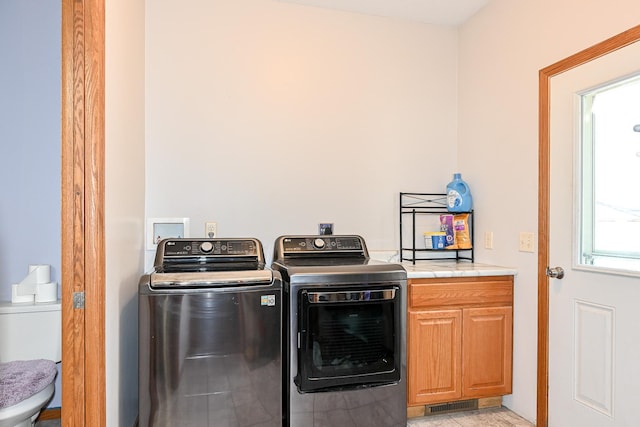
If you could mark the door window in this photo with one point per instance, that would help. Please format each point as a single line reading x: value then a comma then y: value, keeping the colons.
x: 610, y: 168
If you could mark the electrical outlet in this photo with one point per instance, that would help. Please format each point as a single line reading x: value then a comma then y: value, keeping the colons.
x: 211, y: 229
x: 488, y: 239
x: 527, y: 242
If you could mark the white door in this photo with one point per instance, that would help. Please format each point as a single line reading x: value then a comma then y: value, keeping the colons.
x: 594, y: 313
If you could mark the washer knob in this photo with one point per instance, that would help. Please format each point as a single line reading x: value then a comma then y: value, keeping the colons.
x: 318, y: 243
x: 206, y: 247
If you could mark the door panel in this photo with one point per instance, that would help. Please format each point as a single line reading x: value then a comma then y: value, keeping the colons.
x: 593, y: 340
x: 487, y: 350
x: 435, y: 356
x: 594, y: 348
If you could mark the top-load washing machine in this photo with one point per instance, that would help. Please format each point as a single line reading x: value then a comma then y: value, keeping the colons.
x: 210, y: 336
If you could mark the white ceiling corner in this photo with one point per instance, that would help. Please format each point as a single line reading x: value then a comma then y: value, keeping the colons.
x: 438, y: 12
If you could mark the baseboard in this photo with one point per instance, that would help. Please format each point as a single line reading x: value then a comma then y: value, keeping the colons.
x: 50, y: 414
x: 490, y: 402
x: 415, y: 411
x: 55, y: 414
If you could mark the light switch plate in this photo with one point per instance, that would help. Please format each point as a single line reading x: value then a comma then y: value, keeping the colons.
x: 488, y: 239
x: 527, y: 242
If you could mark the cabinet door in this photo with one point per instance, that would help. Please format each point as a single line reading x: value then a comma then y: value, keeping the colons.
x: 487, y: 349
x: 435, y: 359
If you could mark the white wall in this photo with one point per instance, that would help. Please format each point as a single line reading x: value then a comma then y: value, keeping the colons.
x: 269, y: 117
x: 124, y: 203
x: 501, y: 50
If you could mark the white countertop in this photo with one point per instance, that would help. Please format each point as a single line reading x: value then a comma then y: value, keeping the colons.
x: 451, y: 268
x: 443, y: 268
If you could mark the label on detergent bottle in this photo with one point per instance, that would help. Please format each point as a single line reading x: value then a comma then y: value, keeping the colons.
x: 454, y: 199
x: 458, y: 195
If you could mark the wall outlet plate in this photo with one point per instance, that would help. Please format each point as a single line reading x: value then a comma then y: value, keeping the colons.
x: 210, y: 229
x: 161, y: 228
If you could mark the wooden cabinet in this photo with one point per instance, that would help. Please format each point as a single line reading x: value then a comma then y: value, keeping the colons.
x: 460, y: 338
x: 435, y: 356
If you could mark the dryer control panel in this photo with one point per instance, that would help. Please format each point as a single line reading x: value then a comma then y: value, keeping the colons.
x: 313, y: 245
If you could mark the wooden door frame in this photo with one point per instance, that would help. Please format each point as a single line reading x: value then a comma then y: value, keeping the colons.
x: 544, y: 98
x: 82, y: 188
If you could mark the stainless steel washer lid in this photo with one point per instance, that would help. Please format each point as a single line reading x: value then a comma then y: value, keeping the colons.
x: 211, y: 279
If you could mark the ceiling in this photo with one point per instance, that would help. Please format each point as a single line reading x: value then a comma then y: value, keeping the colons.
x: 439, y: 12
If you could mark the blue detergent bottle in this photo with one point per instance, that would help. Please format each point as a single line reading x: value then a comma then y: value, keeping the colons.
x: 458, y: 195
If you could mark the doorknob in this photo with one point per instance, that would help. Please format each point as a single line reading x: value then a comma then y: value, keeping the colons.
x: 555, y: 272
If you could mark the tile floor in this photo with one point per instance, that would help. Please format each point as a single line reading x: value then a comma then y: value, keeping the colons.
x: 491, y: 417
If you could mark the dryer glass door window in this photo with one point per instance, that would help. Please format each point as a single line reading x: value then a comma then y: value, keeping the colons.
x: 349, y: 338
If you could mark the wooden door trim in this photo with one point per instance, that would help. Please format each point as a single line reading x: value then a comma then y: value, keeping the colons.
x: 544, y: 145
x: 83, y: 249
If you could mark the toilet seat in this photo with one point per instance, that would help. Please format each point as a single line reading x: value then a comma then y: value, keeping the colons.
x: 24, y: 413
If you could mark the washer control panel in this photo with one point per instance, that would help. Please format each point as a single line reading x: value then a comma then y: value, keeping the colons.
x: 214, y: 247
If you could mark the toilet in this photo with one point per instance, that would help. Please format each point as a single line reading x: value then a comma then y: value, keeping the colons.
x: 30, y: 344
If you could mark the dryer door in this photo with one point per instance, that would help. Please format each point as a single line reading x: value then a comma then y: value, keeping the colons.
x: 349, y: 337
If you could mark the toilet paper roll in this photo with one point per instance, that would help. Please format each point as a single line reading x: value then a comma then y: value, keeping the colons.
x: 16, y: 298
x: 47, y: 292
x: 42, y: 272
x: 38, y: 273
